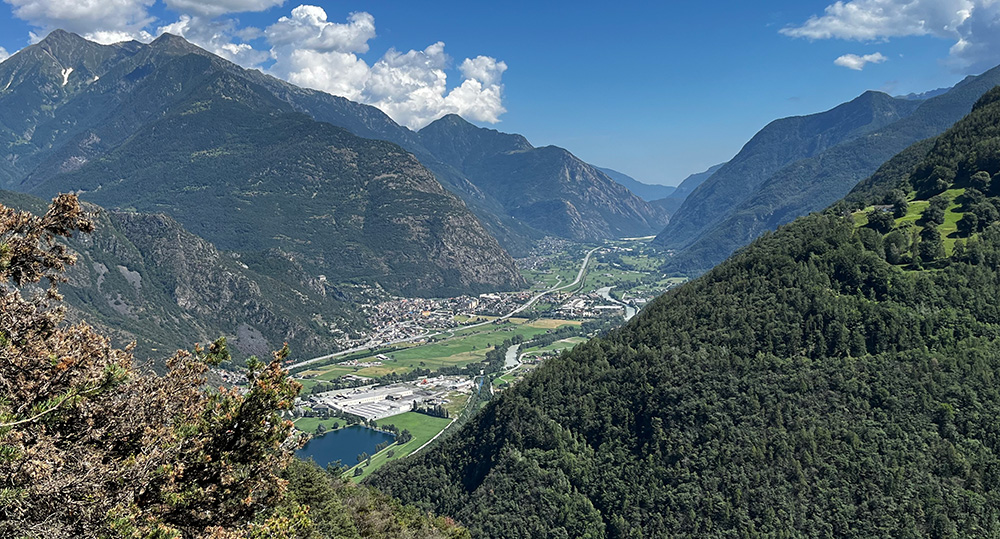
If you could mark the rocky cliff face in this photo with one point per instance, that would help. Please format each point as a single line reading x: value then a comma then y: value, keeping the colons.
x: 154, y: 282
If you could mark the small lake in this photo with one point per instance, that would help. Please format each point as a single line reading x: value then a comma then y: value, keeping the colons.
x: 344, y: 444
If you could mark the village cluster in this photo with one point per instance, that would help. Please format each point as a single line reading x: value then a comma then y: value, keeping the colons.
x: 411, y: 318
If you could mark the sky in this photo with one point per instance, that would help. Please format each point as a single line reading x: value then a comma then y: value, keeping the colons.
x: 655, y: 91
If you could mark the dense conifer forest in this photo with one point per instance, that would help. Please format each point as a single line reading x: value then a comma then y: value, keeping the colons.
x: 837, y: 378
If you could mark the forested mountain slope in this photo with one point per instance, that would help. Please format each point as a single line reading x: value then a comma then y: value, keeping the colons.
x: 812, y: 184
x: 828, y: 380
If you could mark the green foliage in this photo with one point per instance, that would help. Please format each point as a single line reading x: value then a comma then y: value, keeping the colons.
x: 759, y: 399
x: 967, y: 156
x: 338, y: 509
x: 91, y: 447
x: 880, y: 220
x: 808, y: 386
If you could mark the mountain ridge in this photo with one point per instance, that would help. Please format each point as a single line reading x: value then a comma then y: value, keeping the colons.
x: 778, y: 144
x: 168, y: 104
x: 815, y: 182
x: 548, y: 187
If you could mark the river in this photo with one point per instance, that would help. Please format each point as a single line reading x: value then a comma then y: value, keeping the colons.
x: 343, y: 444
x: 606, y: 294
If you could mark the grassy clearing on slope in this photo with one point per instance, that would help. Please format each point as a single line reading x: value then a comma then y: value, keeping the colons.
x: 423, y: 427
x: 915, y: 210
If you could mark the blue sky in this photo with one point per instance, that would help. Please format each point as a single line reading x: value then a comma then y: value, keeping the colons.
x: 657, y: 92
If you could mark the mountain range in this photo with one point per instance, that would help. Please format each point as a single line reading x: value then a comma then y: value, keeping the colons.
x: 159, y: 128
x: 834, y: 378
x: 673, y: 201
x: 645, y: 191
x: 547, y: 188
x: 802, y: 164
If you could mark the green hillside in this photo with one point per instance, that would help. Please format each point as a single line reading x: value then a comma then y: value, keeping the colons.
x: 823, y: 382
x: 814, y: 182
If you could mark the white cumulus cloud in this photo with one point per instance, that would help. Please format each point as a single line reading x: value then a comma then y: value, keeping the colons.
x: 411, y: 87
x: 973, y: 25
x: 338, y: 73
x: 304, y: 47
x: 308, y: 28
x: 857, y: 63
x: 3, y: 54
x: 215, y: 8
x: 219, y: 36
x: 104, y: 21
x: 484, y: 69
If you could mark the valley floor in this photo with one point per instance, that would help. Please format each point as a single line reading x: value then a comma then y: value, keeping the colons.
x: 457, y: 353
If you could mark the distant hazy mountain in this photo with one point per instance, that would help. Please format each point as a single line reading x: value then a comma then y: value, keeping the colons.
x: 168, y: 127
x: 645, y: 191
x: 686, y: 187
x: 813, y: 183
x: 673, y: 201
x: 924, y: 95
x: 547, y: 188
x: 778, y: 144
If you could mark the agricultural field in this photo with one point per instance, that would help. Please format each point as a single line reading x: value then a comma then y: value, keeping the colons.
x: 423, y: 427
x: 558, y: 346
x: 465, y: 347
x: 550, y: 323
x: 309, y: 424
x: 508, y: 378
